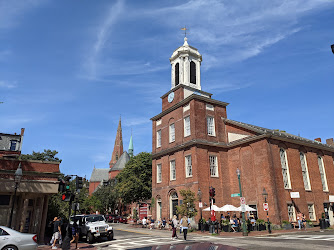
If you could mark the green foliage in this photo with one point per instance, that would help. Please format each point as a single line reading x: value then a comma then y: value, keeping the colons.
x: 134, y: 182
x: 47, y: 155
x: 260, y: 221
x: 225, y: 222
x: 108, y: 197
x: 188, y: 206
x: 285, y: 222
x: 93, y: 204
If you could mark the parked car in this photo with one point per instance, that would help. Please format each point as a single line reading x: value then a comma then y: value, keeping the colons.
x: 14, y: 240
x: 93, y: 226
x: 123, y: 219
x: 110, y: 217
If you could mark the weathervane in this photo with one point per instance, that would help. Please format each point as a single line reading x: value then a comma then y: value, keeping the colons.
x: 185, y: 31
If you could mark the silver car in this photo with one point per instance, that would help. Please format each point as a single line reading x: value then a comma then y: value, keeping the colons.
x: 14, y: 240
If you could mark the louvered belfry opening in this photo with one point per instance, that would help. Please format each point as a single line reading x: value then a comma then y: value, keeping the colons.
x: 192, y: 72
x: 177, y: 78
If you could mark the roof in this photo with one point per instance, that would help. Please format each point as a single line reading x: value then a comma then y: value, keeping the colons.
x: 99, y: 174
x: 122, y: 161
x: 186, y: 49
x: 276, y: 133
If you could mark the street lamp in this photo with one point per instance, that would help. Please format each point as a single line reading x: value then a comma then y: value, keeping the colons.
x: 244, y: 229
x: 332, y: 46
x: 199, y: 195
x: 17, y: 180
x: 265, y: 195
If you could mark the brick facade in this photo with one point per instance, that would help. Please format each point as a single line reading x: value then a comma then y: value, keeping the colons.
x: 253, y: 150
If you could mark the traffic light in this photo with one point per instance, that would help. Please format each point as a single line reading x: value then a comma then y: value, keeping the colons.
x: 67, y: 196
x: 67, y: 182
x: 78, y: 183
x: 332, y: 47
x: 61, y: 187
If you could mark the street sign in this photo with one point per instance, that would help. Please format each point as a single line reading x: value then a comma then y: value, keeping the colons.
x: 265, y: 207
x: 243, y: 208
x: 200, y: 204
x: 242, y: 201
x: 235, y: 195
x: 294, y: 195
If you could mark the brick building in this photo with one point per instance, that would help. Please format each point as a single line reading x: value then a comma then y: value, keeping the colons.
x: 195, y: 145
x: 39, y: 181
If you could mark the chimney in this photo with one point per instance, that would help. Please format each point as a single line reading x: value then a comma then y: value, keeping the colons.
x: 330, y: 142
x: 22, y: 131
x: 318, y: 139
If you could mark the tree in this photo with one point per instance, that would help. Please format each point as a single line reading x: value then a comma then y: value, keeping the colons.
x: 47, y: 155
x: 108, y: 197
x: 134, y: 183
x: 188, y: 206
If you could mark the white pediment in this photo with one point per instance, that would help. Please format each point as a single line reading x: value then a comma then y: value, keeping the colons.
x: 234, y: 136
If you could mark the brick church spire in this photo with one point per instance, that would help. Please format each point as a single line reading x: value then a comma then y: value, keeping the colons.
x: 118, y: 147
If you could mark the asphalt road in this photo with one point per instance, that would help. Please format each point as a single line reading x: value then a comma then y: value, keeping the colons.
x: 127, y: 237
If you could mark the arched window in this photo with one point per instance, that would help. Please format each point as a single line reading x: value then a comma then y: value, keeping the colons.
x: 177, y: 79
x: 192, y: 72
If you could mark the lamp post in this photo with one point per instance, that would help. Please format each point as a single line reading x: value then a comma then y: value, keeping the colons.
x: 17, y: 180
x: 244, y: 229
x: 265, y: 195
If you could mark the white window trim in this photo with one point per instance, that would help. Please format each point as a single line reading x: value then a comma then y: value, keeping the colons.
x: 184, y: 126
x: 323, y: 169
x: 294, y: 212
x: 171, y: 172
x: 216, y: 161
x: 186, y: 166
x: 159, y: 178
x: 186, y: 107
x: 210, y: 107
x: 287, y: 168
x: 213, y: 127
x: 306, y: 170
x: 171, y: 139
x: 158, y: 122
x: 314, y: 214
x: 159, y: 138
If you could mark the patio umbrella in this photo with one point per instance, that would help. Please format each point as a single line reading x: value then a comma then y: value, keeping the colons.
x: 228, y: 208
x: 213, y: 207
x: 247, y: 208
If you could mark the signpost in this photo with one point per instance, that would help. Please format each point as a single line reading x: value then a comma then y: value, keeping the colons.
x: 235, y: 195
x: 200, y: 204
x: 242, y: 201
x: 265, y: 207
x: 294, y: 195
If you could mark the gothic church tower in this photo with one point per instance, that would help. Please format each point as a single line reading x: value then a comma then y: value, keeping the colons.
x: 118, y: 147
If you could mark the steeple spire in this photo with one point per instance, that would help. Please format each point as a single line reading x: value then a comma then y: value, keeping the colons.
x: 131, y: 146
x: 118, y: 147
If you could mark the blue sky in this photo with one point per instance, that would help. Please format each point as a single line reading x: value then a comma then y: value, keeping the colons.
x: 69, y: 69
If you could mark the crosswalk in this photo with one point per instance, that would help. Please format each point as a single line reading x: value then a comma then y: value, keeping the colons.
x: 301, y: 237
x: 143, y: 241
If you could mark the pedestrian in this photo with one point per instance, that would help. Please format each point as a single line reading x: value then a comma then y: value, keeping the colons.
x: 75, y: 234
x: 174, y: 226
x: 164, y: 223
x: 304, y: 221
x: 233, y: 226
x: 56, y: 232
x: 184, y: 224
x: 152, y: 224
x: 300, y: 220
x: 144, y: 222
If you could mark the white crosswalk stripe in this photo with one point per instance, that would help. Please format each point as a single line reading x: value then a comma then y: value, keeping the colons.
x: 301, y: 237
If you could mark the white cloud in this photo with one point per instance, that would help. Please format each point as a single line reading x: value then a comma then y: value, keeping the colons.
x: 8, y: 85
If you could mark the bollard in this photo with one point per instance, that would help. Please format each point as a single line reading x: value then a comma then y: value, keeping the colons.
x: 322, y: 224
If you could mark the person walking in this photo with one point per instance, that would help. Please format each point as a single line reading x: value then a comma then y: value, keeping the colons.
x: 174, y: 226
x: 56, y: 232
x: 300, y: 220
x: 184, y: 224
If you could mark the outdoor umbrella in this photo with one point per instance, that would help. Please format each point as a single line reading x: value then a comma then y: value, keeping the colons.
x: 247, y: 208
x: 213, y: 207
x: 228, y: 208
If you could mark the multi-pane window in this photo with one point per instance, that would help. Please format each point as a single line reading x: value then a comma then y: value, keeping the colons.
x: 306, y: 177
x: 211, y: 125
x: 159, y: 177
x: 322, y: 173
x: 187, y: 126
x: 189, y: 168
x: 285, y: 169
x: 291, y: 212
x: 311, y: 211
x: 158, y: 138
x: 172, y: 132
x: 172, y: 170
x: 13, y: 145
x: 213, y: 166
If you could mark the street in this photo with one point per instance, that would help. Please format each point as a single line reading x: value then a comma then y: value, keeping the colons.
x: 129, y: 237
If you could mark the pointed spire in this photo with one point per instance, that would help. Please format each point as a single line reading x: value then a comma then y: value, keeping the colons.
x: 131, y: 146
x: 118, y: 147
x: 185, y: 42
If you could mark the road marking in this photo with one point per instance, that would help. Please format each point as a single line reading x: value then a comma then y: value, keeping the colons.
x: 130, y: 231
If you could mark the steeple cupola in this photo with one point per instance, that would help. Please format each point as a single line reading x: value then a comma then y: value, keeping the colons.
x: 186, y: 65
